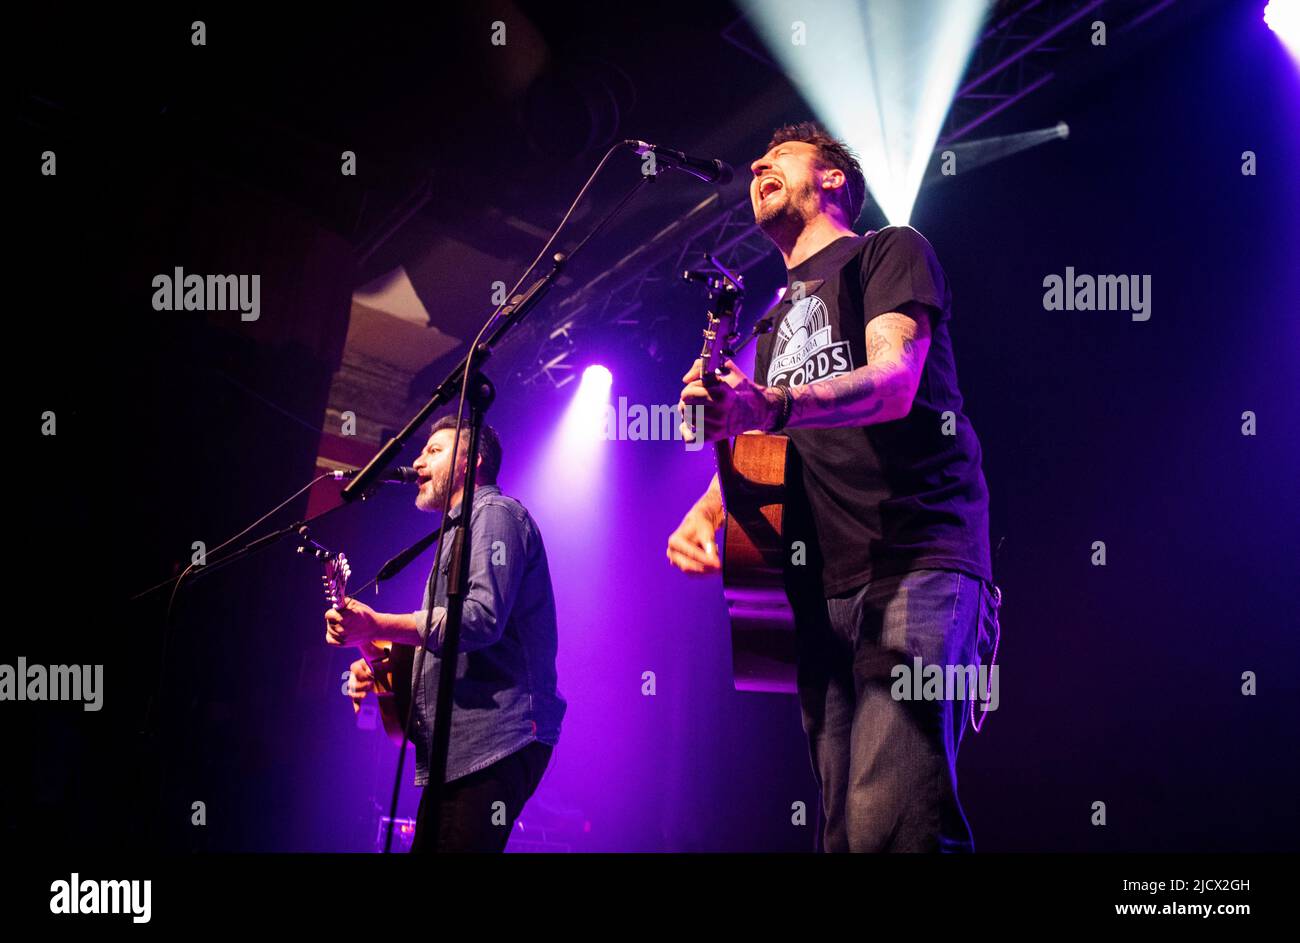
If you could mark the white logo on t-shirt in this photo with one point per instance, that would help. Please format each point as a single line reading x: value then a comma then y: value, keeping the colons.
x: 804, y: 350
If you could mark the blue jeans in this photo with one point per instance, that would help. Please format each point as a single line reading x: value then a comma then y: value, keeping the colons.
x: 887, y: 767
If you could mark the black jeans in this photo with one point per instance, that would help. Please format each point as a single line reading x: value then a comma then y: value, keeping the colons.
x: 479, y: 810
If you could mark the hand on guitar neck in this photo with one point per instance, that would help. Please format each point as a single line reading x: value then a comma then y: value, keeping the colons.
x: 385, y: 667
x: 352, y: 622
x: 725, y: 404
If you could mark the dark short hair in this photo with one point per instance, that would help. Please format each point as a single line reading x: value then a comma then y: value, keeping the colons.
x: 489, y: 447
x: 834, y: 152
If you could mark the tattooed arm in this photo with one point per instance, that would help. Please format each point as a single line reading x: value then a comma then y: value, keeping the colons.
x: 883, y: 390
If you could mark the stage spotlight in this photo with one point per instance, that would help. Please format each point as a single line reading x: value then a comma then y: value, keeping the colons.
x: 571, y: 462
x: 881, y: 75
x: 953, y: 160
x: 1283, y: 18
x: 584, y: 421
x: 597, y: 378
x: 568, y: 473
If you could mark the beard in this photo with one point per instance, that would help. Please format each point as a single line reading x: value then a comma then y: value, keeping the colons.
x: 790, y: 207
x: 432, y: 494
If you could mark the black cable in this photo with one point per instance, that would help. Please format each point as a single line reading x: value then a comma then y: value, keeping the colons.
x: 222, y: 546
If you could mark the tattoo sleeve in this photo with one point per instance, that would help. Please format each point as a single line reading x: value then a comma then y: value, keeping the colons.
x: 882, y: 390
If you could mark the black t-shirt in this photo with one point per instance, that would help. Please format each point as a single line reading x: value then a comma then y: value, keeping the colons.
x: 896, y: 496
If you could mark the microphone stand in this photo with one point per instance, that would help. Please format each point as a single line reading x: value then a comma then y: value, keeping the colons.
x: 510, y: 315
x: 475, y: 387
x: 468, y: 377
x: 480, y: 393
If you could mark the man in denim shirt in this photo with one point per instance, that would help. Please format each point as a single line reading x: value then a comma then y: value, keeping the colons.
x: 507, y: 710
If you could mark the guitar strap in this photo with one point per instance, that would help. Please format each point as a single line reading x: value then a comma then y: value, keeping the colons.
x: 398, y: 563
x: 765, y: 324
x: 399, y: 659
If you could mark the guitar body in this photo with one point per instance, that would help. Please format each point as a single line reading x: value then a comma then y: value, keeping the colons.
x: 752, y: 473
x: 392, y: 669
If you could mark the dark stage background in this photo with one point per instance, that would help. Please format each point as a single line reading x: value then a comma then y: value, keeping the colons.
x: 1122, y: 683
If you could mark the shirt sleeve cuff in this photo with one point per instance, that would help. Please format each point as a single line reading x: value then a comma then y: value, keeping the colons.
x: 439, y: 619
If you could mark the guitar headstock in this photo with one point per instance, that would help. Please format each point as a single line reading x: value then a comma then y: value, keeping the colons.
x: 335, y: 570
x: 335, y: 579
x: 720, y: 332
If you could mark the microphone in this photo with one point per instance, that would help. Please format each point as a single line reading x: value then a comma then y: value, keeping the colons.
x: 710, y: 171
x: 402, y: 475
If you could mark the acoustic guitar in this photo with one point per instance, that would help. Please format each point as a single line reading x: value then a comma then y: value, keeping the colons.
x: 753, y: 471
x: 390, y: 664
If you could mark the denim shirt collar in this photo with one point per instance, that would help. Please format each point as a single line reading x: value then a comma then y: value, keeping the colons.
x: 481, y: 493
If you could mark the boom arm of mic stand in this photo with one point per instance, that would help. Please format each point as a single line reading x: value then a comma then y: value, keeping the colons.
x: 510, y: 315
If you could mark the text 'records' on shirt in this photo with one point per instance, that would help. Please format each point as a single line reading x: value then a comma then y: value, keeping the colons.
x: 897, y: 496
